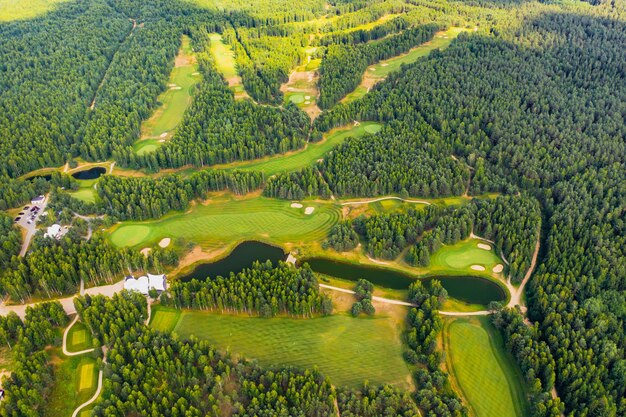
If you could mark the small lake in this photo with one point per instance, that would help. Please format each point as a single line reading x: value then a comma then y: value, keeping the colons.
x: 242, y: 257
x: 469, y: 289
x: 90, y: 174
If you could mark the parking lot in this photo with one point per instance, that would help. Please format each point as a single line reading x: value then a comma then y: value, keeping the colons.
x: 28, y: 218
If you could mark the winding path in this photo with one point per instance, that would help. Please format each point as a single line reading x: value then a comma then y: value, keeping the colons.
x: 92, y: 399
x: 350, y: 203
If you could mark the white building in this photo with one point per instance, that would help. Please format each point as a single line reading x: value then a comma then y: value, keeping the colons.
x: 53, y: 231
x: 37, y: 200
x: 144, y: 283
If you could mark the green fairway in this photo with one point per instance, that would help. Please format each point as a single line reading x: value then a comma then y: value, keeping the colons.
x: 483, y: 370
x: 295, y: 98
x: 88, y: 195
x: 377, y: 72
x: 173, y: 101
x: 78, y: 338
x: 462, y: 255
x: 347, y: 350
x: 307, y: 157
x: 147, y: 145
x: 226, y: 220
x: 164, y: 319
x: 25, y: 9
x: 75, y: 382
x: 226, y: 65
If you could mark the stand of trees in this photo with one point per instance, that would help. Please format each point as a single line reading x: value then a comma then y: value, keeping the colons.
x: 343, y: 66
x: 342, y: 237
x: 262, y: 290
x: 297, y: 185
x: 381, y: 401
x: 30, y: 382
x: 363, y: 293
x: 10, y: 240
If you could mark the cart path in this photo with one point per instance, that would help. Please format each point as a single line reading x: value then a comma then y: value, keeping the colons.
x: 92, y: 399
x: 349, y: 203
x: 64, y: 346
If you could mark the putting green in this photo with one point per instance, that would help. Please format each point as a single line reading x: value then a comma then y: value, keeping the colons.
x: 87, y: 378
x: 296, y: 98
x: 87, y: 195
x: 483, y: 370
x: 164, y: 319
x: 146, y: 146
x: 345, y: 349
x: 130, y: 235
x: 223, y: 221
x: 78, y: 338
x: 372, y: 128
x: 462, y: 255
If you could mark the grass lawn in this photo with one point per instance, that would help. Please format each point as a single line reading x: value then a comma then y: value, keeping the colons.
x: 164, y: 318
x: 462, y: 255
x: 226, y: 220
x: 226, y: 64
x: 174, y: 101
x: 310, y: 155
x: 482, y: 369
x: 76, y: 379
x: 347, y: 350
x: 25, y: 9
x: 6, y: 359
x: 78, y: 338
x: 377, y: 72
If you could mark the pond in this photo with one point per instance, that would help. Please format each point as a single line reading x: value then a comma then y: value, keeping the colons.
x: 469, y: 289
x: 243, y: 256
x: 90, y: 174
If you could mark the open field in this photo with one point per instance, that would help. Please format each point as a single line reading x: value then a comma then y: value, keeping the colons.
x: 482, y: 370
x: 25, y: 9
x: 225, y: 220
x: 377, y: 72
x: 226, y: 65
x: 174, y: 101
x: 296, y: 160
x: 345, y: 349
x: 78, y: 338
x: 75, y: 383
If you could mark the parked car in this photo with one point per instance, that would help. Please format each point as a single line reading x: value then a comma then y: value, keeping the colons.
x: 17, y: 219
x: 26, y: 207
x: 29, y: 222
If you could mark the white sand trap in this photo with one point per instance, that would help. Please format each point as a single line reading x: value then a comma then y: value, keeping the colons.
x: 161, y: 140
x: 296, y: 205
x: 195, y: 73
x: 498, y: 268
x: 477, y: 267
x: 307, y: 97
x: 384, y: 64
x: 164, y: 134
x: 484, y: 246
x: 165, y: 242
x: 307, y: 102
x: 146, y: 251
x: 171, y: 85
x: 372, y: 69
x: 176, y: 88
x: 309, y: 210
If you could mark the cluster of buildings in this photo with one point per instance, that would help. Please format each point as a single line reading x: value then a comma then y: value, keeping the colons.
x: 146, y: 283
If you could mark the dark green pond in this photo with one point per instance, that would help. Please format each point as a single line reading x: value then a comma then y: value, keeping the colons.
x: 243, y: 256
x: 89, y: 174
x: 469, y: 289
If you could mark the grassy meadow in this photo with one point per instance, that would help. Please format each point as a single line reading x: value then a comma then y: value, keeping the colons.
x: 296, y: 160
x: 76, y: 380
x: 482, y: 370
x: 26, y: 9
x: 223, y: 221
x: 347, y: 350
x: 377, y: 72
x: 174, y: 101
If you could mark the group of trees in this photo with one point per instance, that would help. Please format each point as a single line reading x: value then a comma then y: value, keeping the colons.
x: 363, y: 293
x: 342, y: 237
x: 381, y: 401
x: 297, y: 185
x: 343, y: 65
x: 10, y: 240
x: 262, y: 290
x: 30, y: 382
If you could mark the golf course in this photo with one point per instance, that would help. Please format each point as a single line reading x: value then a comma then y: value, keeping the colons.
x: 482, y: 369
x: 226, y: 65
x: 347, y: 350
x: 173, y: 101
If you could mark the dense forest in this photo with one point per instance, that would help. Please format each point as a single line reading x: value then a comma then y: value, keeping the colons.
x: 262, y: 290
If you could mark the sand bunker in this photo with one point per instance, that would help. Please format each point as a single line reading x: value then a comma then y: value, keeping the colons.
x: 307, y: 102
x: 164, y: 134
x: 146, y: 251
x: 309, y: 210
x: 484, y: 246
x: 384, y: 64
x: 171, y: 85
x: 161, y: 140
x: 296, y: 205
x: 477, y: 267
x: 176, y: 88
x: 165, y: 242
x: 307, y: 97
x: 195, y: 73
x: 498, y: 268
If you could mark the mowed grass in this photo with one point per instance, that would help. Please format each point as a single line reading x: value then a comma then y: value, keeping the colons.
x: 164, y: 319
x: 462, y: 255
x: 226, y: 64
x: 26, y: 9
x: 75, y: 382
x: 307, y: 157
x: 377, y: 72
x: 88, y: 195
x: 78, y: 338
x: 346, y: 350
x: 225, y: 220
x: 174, y: 101
x: 483, y: 370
